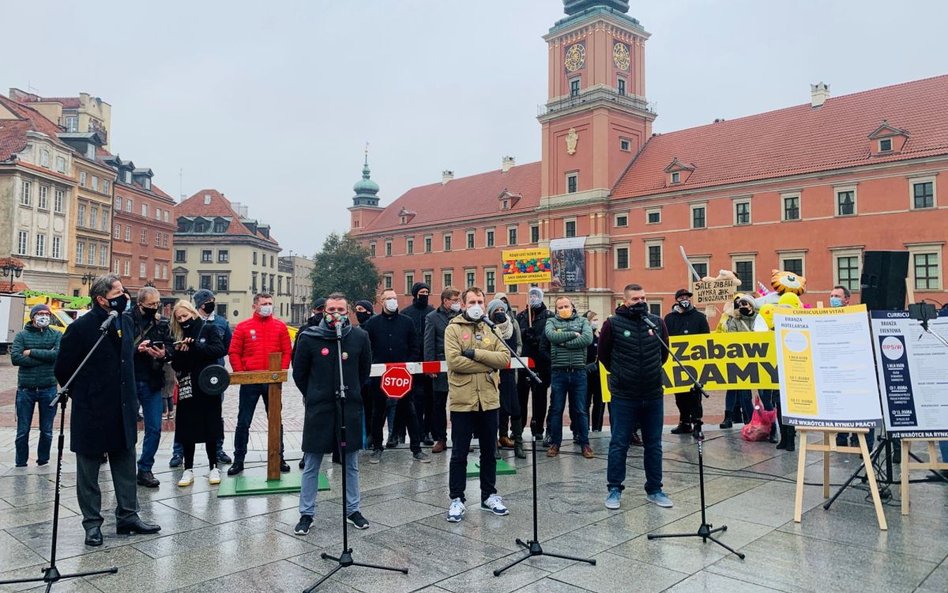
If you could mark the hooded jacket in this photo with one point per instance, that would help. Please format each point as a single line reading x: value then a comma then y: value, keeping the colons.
x: 739, y: 322
x: 473, y: 384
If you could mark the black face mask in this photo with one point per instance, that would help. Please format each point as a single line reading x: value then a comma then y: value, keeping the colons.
x: 187, y: 324
x: 746, y: 311
x: 118, y: 304
x: 421, y: 301
x: 363, y: 316
x: 209, y: 307
x: 149, y: 313
x: 639, y: 308
x: 499, y: 317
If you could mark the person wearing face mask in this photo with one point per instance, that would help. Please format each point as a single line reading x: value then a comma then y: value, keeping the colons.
x: 532, y: 325
x: 474, y: 355
x: 593, y: 384
x: 630, y: 349
x: 152, y: 352
x: 393, y: 339
x: 422, y: 393
x: 512, y: 423
x: 104, y: 408
x: 509, y: 402
x: 739, y: 403
x: 205, y: 302
x: 364, y: 310
x: 253, y: 341
x: 569, y: 335
x: 34, y: 351
x: 316, y: 374
x: 686, y: 320
x: 315, y: 318
x: 435, y: 324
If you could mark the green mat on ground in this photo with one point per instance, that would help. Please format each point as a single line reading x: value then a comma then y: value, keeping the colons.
x: 503, y: 468
x: 254, y: 485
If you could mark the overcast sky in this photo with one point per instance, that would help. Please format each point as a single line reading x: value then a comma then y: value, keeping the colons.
x: 271, y: 103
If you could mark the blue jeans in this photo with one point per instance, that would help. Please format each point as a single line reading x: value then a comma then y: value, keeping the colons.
x: 739, y: 400
x: 177, y: 449
x: 26, y: 399
x: 310, y: 483
x: 249, y: 396
x: 626, y: 415
x: 150, y: 400
x: 571, y: 382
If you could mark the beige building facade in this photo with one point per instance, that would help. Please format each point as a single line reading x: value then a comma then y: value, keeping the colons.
x: 82, y: 114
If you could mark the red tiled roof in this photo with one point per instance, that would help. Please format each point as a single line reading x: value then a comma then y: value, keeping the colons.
x: 795, y: 140
x: 219, y: 206
x: 462, y: 198
x: 13, y: 131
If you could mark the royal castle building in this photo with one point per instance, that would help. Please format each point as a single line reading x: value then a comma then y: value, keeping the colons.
x: 809, y: 188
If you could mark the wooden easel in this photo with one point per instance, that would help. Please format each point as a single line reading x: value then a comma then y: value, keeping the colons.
x: 829, y: 446
x: 275, y: 377
x: 908, y: 465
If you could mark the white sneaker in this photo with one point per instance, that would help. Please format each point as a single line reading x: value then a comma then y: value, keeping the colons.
x: 494, y: 504
x: 187, y: 478
x: 214, y: 478
x: 456, y: 511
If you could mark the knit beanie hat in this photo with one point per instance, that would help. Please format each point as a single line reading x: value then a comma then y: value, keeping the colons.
x: 535, y: 291
x: 418, y: 286
x: 37, y: 308
x: 494, y: 305
x: 202, y: 296
x: 319, y: 303
x: 368, y: 306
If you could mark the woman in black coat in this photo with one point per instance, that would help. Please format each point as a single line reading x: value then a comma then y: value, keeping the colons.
x: 198, y: 419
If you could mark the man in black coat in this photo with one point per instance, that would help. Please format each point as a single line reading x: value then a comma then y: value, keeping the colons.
x: 532, y: 323
x: 435, y: 324
x: 316, y: 373
x: 104, y: 408
x: 422, y: 394
x: 393, y: 340
x: 685, y: 320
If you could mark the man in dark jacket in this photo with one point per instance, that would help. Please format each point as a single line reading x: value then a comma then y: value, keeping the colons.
x: 393, y: 340
x: 316, y: 373
x: 316, y: 316
x: 686, y: 320
x: 569, y: 334
x: 422, y: 395
x: 104, y: 408
x: 34, y: 350
x: 633, y: 354
x: 435, y: 324
x: 532, y: 322
x: 152, y: 351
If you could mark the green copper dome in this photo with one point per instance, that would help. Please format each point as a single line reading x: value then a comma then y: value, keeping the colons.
x: 366, y: 190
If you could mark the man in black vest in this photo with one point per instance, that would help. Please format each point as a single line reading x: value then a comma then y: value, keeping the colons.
x: 630, y: 349
x: 686, y: 320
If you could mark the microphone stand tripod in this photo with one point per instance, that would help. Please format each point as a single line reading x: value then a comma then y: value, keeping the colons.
x: 705, y: 530
x: 532, y: 546
x: 344, y: 560
x: 51, y: 574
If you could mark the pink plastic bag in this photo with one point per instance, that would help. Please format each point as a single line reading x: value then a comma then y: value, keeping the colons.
x: 761, y: 423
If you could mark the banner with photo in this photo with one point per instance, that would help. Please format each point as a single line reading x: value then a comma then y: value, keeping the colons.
x: 913, y: 372
x: 525, y: 266
x: 825, y: 365
x: 568, y: 258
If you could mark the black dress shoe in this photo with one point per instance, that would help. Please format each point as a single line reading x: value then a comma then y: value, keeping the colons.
x: 223, y: 457
x: 148, y: 480
x: 93, y: 536
x: 284, y: 467
x: 236, y: 468
x: 138, y: 526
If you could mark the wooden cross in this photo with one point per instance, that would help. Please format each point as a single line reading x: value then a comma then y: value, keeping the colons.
x: 275, y: 377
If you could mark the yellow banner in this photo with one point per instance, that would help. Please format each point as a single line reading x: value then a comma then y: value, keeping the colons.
x: 798, y: 368
x: 740, y: 360
x: 523, y: 266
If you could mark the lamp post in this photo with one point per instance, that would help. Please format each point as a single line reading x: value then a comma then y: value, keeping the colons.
x: 190, y: 291
x: 12, y: 270
x: 87, y: 278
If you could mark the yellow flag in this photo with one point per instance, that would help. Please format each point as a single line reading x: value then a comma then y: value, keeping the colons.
x: 604, y: 381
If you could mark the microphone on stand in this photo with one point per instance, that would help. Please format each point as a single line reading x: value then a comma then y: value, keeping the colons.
x: 108, y: 321
x: 649, y: 323
x: 488, y: 322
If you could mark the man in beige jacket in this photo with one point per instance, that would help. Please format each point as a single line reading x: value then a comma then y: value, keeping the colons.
x: 474, y: 357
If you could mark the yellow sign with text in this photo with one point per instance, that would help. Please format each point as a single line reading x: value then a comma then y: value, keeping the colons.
x: 740, y: 360
x: 798, y: 368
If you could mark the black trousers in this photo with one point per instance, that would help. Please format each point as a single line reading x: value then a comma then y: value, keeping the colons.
x: 464, y: 426
x: 594, y: 387
x: 439, y: 416
x: 688, y: 404
x: 540, y: 393
x: 424, y: 404
x: 122, y: 466
x: 405, y: 405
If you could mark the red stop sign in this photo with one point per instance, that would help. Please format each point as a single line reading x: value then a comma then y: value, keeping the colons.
x: 396, y: 382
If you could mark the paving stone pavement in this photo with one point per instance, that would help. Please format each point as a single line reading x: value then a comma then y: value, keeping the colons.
x: 209, y: 544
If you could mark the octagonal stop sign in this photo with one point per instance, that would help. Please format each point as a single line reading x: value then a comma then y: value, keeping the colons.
x: 396, y: 382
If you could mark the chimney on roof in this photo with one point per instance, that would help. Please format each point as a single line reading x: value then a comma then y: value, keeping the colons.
x: 507, y: 163
x: 819, y: 93
x: 446, y: 176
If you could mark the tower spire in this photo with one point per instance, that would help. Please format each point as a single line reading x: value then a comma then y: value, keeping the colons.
x: 366, y: 190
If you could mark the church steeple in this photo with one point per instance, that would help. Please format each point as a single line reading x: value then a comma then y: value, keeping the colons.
x: 366, y: 190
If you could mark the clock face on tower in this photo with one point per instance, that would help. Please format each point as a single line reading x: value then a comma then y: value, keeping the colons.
x: 575, y: 57
x: 620, y: 56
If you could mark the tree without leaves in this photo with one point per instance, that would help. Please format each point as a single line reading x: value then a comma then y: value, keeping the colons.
x: 343, y: 265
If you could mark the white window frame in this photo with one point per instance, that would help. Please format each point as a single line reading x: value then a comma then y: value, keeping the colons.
x: 889, y: 140
x: 783, y: 206
x: 59, y: 201
x: 490, y: 237
x: 388, y: 248
x: 843, y: 189
x: 691, y: 215
x: 444, y: 278
x: 57, y: 247
x: 628, y: 143
x: 128, y: 268
x: 566, y: 221
x: 743, y: 257
x: 128, y: 234
x: 387, y: 281
x: 566, y: 182
x: 926, y: 179
x: 516, y: 230
x: 447, y: 241
x: 90, y: 255
x: 650, y: 211
x: 750, y: 212
x: 40, y: 245
x: 704, y: 260
x: 103, y: 255
x: 80, y: 252
x: 469, y: 272
x: 923, y: 248
x: 628, y: 256
x: 675, y: 177
x: 493, y: 289
x: 615, y: 220
x: 23, y: 242
x: 409, y: 281
x: 142, y: 269
x: 660, y: 243
x: 26, y: 193
x: 799, y: 254
x: 470, y: 239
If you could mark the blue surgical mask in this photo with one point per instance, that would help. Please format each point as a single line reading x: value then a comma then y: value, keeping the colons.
x: 836, y: 301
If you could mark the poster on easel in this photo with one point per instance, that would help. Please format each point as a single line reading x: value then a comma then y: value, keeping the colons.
x: 825, y: 365
x: 912, y: 366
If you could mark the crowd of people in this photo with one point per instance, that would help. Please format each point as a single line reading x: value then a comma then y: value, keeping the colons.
x: 143, y: 356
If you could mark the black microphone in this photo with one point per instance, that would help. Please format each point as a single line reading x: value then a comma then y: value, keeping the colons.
x: 488, y: 322
x: 338, y: 329
x: 649, y: 323
x: 108, y: 321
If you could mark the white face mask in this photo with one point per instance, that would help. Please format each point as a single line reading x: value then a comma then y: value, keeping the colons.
x: 265, y: 310
x: 391, y: 305
x: 475, y: 312
x: 595, y: 324
x: 41, y: 321
x: 455, y: 307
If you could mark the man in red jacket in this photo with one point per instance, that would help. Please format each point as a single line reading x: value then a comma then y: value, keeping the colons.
x: 250, y: 348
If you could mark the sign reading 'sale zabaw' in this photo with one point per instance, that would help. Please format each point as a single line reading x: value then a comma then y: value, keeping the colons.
x: 713, y: 292
x: 740, y: 360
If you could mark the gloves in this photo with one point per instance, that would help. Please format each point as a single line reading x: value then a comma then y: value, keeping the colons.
x: 469, y: 353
